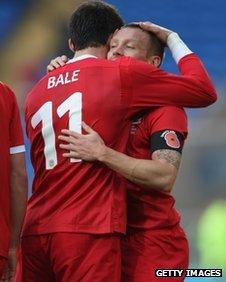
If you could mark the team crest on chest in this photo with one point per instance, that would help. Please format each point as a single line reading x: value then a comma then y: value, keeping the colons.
x: 135, y: 125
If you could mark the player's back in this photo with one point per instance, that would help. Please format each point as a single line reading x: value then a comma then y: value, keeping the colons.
x: 76, y: 196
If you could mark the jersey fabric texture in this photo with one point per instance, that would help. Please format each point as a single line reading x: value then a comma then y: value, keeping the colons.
x: 143, y: 252
x: 153, y: 209
x: 88, y: 197
x: 11, y: 141
x: 154, y: 237
x: 3, y: 261
x: 70, y: 257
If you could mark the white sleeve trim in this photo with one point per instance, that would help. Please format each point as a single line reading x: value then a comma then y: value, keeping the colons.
x: 178, y: 48
x: 17, y: 149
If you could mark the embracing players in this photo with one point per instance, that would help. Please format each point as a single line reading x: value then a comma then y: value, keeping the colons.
x: 77, y: 211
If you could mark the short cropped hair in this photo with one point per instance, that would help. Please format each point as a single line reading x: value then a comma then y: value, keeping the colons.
x: 156, y: 45
x: 92, y: 23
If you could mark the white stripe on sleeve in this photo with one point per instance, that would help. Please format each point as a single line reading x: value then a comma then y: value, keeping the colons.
x: 17, y: 149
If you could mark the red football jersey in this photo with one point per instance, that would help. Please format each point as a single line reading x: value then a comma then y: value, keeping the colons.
x: 152, y: 209
x: 11, y: 140
x: 73, y: 196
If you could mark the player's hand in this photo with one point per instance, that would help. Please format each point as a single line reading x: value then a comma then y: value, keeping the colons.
x: 10, y: 268
x: 87, y: 147
x: 56, y: 63
x: 161, y: 32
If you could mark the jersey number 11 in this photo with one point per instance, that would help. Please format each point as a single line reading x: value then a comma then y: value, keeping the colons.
x: 72, y: 105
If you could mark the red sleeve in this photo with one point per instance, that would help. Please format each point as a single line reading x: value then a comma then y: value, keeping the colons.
x: 15, y: 130
x: 149, y: 86
x: 167, y: 118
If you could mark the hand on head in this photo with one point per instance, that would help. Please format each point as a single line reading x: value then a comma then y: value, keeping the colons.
x: 161, y: 32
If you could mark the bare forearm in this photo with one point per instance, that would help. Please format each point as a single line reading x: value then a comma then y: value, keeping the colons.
x: 150, y: 174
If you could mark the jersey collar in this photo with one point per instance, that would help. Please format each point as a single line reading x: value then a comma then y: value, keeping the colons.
x: 82, y: 57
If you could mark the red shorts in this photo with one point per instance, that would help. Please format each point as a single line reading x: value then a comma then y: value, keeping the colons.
x: 70, y: 257
x: 145, y: 251
x: 2, y: 265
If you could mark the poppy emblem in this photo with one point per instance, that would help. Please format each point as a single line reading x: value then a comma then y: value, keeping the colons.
x: 172, y: 139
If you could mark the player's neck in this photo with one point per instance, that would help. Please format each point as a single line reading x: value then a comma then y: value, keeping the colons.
x: 99, y: 52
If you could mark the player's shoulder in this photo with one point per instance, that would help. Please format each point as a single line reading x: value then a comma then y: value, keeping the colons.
x: 167, y: 117
x: 116, y: 63
x: 132, y: 67
x: 88, y: 63
x: 6, y: 91
x: 3, y: 87
x: 133, y: 62
x: 169, y: 111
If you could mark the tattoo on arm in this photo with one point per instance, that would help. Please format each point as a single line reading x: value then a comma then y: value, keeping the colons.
x: 171, y: 156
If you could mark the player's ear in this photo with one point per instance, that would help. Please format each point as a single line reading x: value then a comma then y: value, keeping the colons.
x: 155, y: 60
x: 71, y: 45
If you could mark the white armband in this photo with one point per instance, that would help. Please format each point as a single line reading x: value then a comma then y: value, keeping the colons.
x: 177, y: 47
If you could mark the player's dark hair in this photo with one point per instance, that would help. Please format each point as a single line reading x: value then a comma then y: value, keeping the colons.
x: 156, y: 46
x: 92, y: 23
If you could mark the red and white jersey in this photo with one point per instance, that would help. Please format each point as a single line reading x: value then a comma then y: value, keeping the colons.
x: 11, y: 140
x: 153, y: 209
x: 73, y: 196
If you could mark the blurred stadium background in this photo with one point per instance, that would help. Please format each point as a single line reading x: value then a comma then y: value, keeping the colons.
x: 32, y: 32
